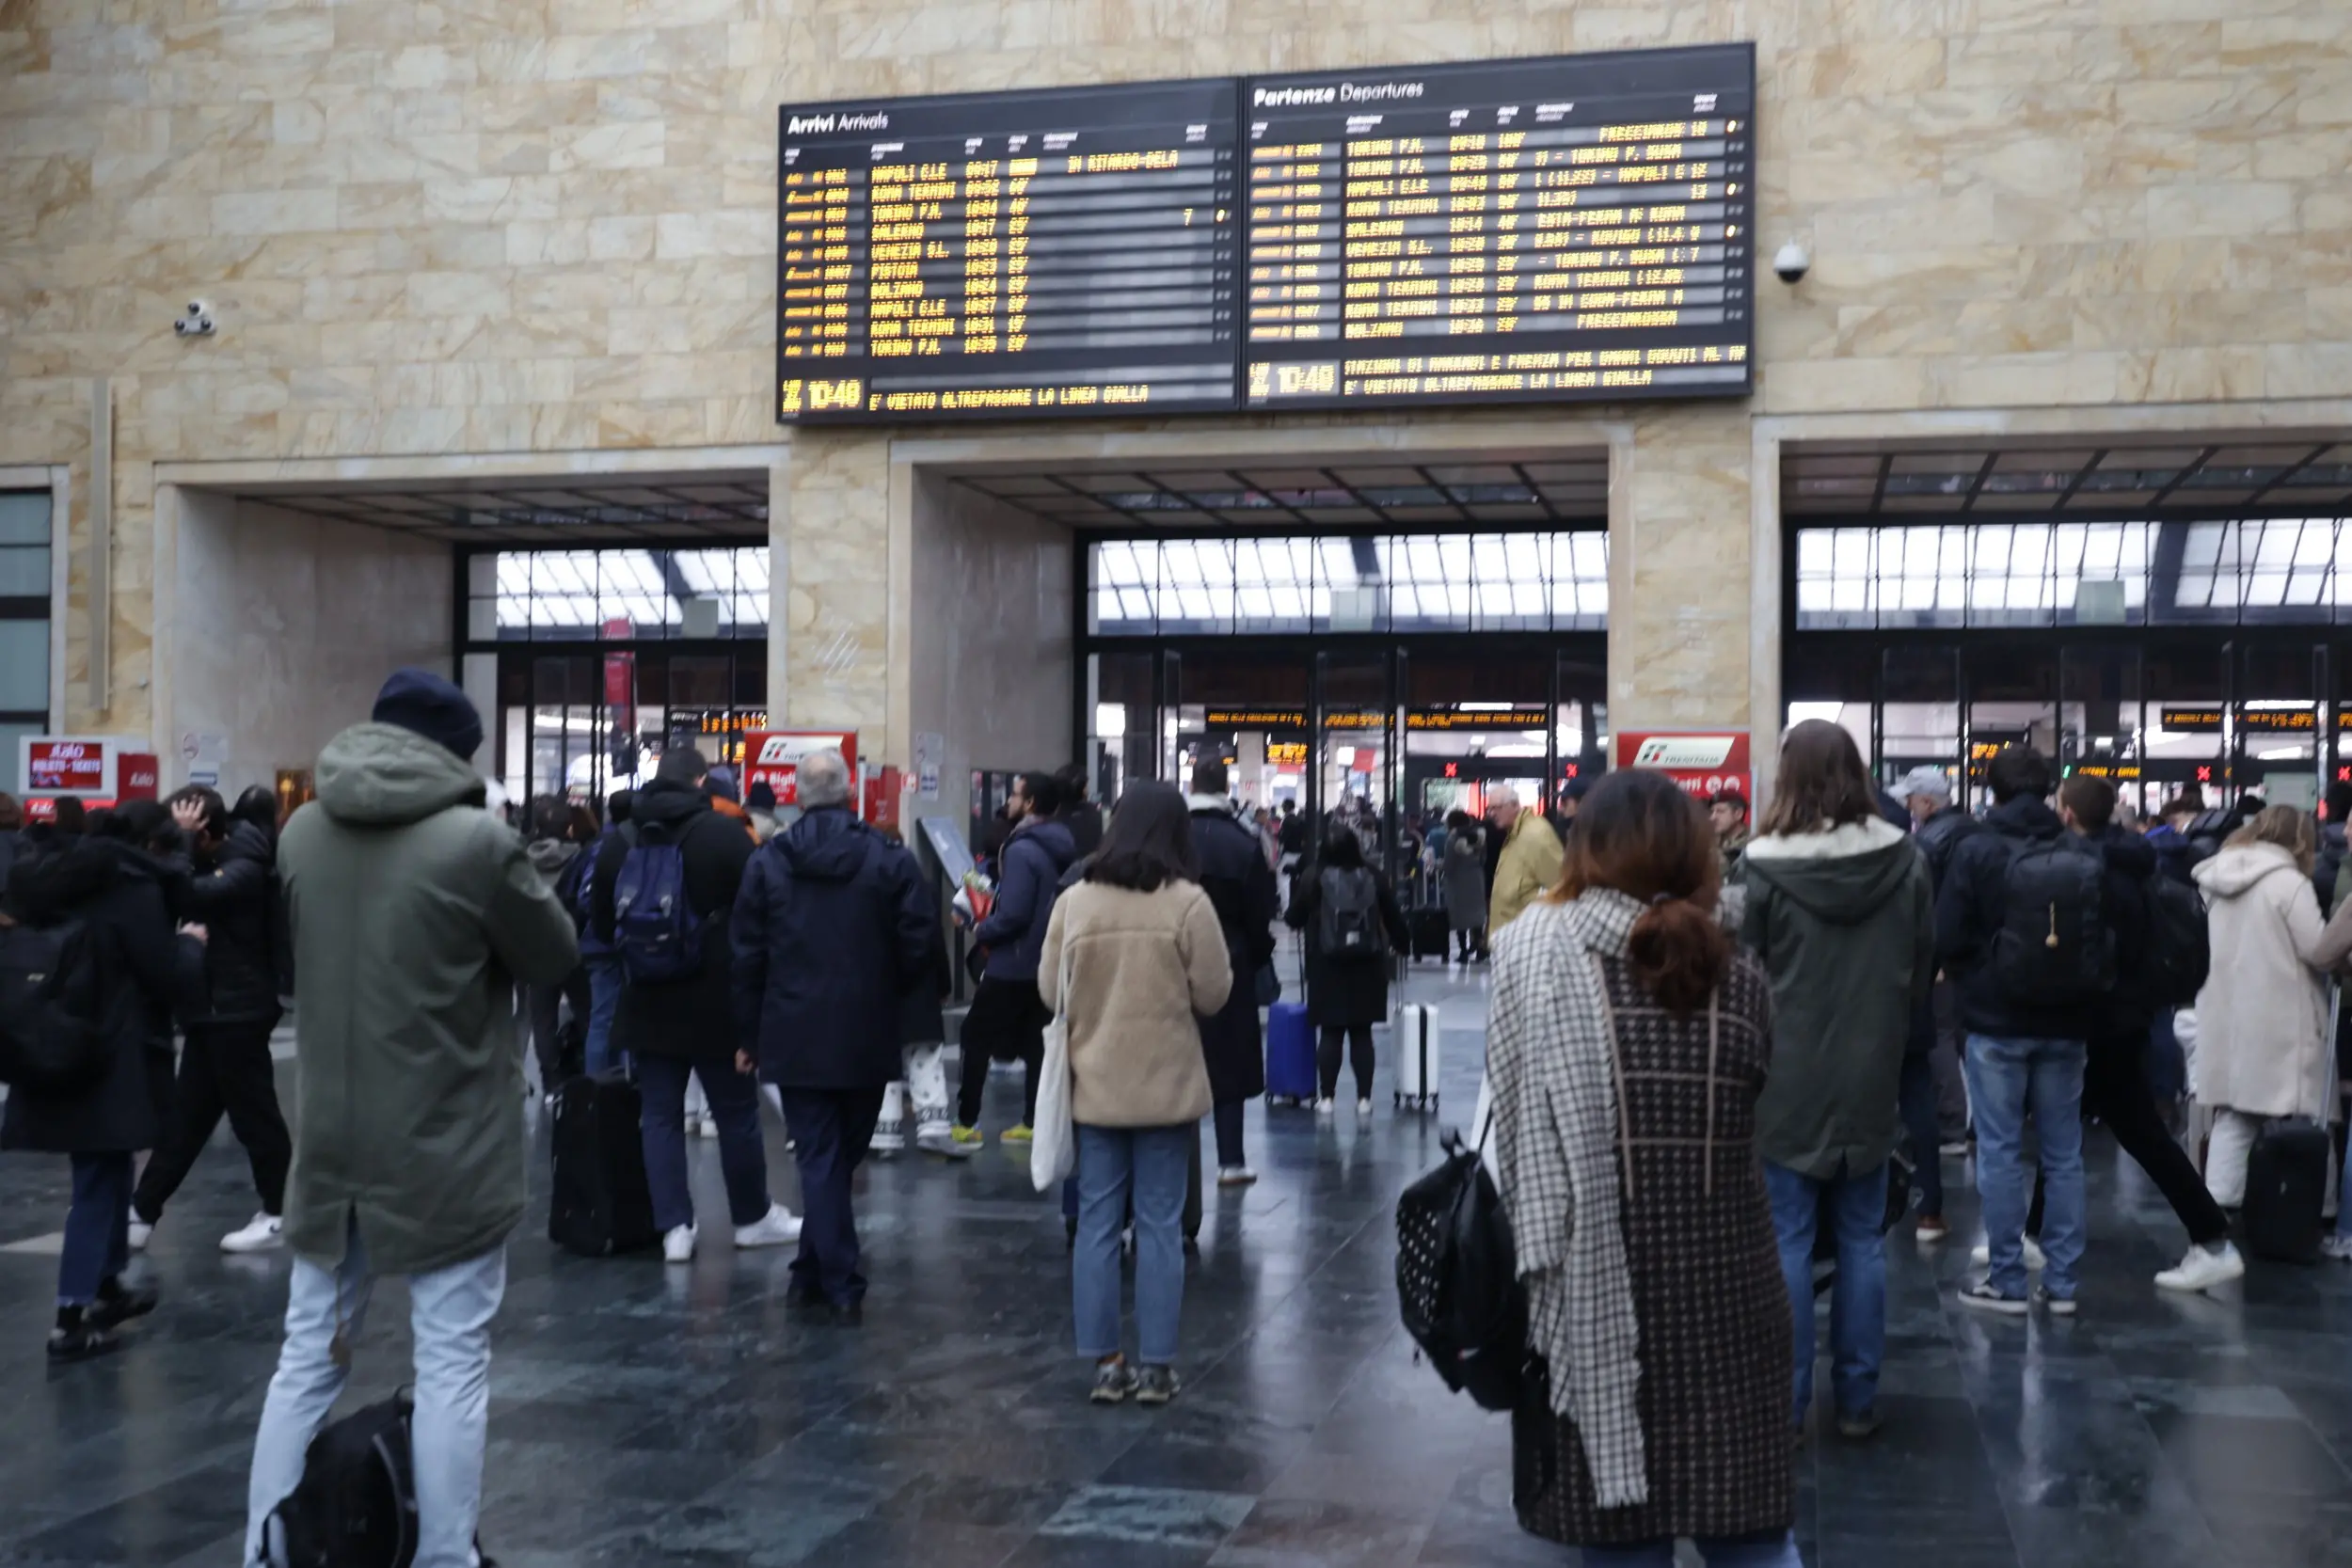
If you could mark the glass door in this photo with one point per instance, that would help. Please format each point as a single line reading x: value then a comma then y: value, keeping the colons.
x: 1352, y: 751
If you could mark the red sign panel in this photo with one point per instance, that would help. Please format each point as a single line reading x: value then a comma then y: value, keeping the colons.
x: 65, y: 767
x: 1701, y: 761
x: 774, y: 757
x: 135, y: 776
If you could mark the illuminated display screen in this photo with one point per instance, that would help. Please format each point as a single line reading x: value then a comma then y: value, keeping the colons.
x: 1556, y: 230
x: 992, y: 255
x: 1549, y: 231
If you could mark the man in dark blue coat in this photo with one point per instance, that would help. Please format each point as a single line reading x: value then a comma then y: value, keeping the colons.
x: 1006, y: 1022
x: 832, y: 928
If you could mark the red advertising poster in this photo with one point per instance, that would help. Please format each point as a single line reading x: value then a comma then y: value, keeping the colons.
x: 135, y: 776
x: 65, y: 767
x: 774, y: 757
x: 1701, y: 761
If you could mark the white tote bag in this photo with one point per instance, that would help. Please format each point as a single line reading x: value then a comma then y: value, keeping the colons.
x: 1054, y: 1148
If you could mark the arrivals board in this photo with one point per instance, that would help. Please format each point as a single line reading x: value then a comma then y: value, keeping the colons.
x: 1551, y: 229
x: 1057, y: 253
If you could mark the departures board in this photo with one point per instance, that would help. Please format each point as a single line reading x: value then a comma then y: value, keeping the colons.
x: 1006, y: 254
x: 1559, y: 229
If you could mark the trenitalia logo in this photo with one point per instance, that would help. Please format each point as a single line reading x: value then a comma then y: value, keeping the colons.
x: 1684, y: 750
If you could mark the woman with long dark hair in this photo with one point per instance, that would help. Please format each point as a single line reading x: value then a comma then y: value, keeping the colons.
x: 1627, y: 1047
x: 1841, y: 910
x: 1352, y: 923
x: 112, y: 880
x: 1133, y: 956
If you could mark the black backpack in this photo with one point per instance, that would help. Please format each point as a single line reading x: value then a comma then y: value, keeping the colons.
x: 1457, y: 1284
x: 53, y: 1006
x: 2055, y: 948
x: 1348, y: 925
x: 2180, y: 949
x: 355, y: 1506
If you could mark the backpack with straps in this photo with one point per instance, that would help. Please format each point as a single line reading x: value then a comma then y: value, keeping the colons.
x: 2180, y: 949
x: 1348, y: 925
x: 355, y: 1506
x: 2055, y: 948
x: 655, y: 928
x: 53, y: 1006
x: 1457, y: 1282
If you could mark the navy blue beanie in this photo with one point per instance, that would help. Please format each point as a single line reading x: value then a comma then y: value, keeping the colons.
x: 422, y: 701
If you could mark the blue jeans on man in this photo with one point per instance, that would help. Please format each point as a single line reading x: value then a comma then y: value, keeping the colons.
x: 733, y: 1099
x: 604, y: 995
x: 449, y: 1315
x: 1857, y: 1300
x: 2007, y: 1078
x: 831, y: 1131
x: 97, y: 1227
x: 1155, y: 1163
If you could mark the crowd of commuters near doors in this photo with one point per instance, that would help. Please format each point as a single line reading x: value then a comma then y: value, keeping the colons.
x: 1724, y: 1060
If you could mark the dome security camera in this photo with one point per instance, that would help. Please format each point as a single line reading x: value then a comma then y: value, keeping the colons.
x: 1791, y: 263
x: 197, y: 322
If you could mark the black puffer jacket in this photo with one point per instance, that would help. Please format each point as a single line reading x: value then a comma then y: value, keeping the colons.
x: 1234, y: 875
x: 695, y: 1016
x: 145, y: 971
x: 235, y: 900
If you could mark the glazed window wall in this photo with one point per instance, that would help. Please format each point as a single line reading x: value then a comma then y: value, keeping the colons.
x: 25, y: 624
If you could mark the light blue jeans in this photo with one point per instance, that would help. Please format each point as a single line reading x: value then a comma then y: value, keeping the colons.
x: 2007, y: 1078
x: 449, y: 1314
x: 1154, y: 1164
x: 1857, y: 1298
x: 604, y: 995
x: 1721, y: 1551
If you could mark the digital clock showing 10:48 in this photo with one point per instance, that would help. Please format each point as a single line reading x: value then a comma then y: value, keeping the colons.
x: 1523, y: 231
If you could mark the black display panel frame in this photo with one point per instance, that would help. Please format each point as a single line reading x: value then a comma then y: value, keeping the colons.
x: 1192, y: 121
x: 1530, y: 362
x: 1568, y: 132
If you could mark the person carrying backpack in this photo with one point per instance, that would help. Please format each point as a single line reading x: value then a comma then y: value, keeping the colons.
x: 1627, y: 1048
x: 2024, y: 928
x: 560, y: 834
x: 1352, y: 925
x: 661, y: 896
x: 1006, y: 1021
x: 93, y: 915
x: 414, y: 910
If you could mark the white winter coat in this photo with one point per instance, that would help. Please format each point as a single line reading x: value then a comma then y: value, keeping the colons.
x: 2262, y: 1018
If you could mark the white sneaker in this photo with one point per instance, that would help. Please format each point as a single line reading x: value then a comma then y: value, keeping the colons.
x: 887, y: 1143
x: 1326, y: 1107
x: 710, y: 1125
x: 140, y: 1232
x: 773, y: 1228
x: 2338, y: 1247
x: 1363, y: 1107
x: 1982, y: 1256
x: 677, y: 1247
x: 1235, y: 1176
x: 942, y: 1142
x: 261, y: 1233
x: 2201, y: 1268
x: 691, y: 1123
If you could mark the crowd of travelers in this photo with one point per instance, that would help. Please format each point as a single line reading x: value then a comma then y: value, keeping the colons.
x: 1716, y: 1056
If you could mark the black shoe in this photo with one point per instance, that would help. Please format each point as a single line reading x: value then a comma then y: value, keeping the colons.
x: 800, y: 1300
x: 118, y: 1302
x: 78, y: 1339
x: 849, y: 1314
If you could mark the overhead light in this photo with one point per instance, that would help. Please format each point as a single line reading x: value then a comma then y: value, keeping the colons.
x: 1827, y: 712
x: 1110, y: 720
x: 2285, y: 753
x: 1484, y: 708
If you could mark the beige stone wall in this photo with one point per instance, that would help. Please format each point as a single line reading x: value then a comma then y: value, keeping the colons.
x: 486, y: 225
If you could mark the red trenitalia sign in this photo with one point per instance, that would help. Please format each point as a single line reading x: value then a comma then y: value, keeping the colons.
x: 136, y: 776
x: 774, y: 757
x: 1701, y: 761
x: 65, y: 768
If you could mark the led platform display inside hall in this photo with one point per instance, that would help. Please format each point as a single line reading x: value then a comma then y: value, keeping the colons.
x: 1055, y: 253
x: 1525, y: 230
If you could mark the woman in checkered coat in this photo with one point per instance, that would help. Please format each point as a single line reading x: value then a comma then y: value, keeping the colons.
x: 1627, y: 1047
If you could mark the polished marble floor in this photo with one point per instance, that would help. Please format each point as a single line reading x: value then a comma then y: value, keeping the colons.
x: 645, y: 1414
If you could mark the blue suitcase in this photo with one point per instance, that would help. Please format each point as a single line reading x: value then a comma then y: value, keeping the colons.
x: 1290, y: 1054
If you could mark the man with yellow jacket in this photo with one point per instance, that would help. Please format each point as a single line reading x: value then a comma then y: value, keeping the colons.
x: 1530, y: 865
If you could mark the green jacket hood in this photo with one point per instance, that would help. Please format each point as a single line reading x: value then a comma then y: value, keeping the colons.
x: 381, y: 775
x: 1842, y: 876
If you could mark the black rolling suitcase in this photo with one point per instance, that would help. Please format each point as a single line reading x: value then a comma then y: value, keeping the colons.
x: 601, y: 1203
x: 2286, y: 1187
x: 1427, y: 929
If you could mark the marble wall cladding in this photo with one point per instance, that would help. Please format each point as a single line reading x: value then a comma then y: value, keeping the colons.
x: 488, y: 228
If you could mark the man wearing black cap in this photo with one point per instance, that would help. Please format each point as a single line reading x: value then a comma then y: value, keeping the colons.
x: 415, y: 912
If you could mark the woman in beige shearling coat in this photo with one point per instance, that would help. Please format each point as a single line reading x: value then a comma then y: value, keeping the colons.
x: 2262, y: 1018
x: 1133, y: 956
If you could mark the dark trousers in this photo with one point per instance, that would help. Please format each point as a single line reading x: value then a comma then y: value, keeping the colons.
x: 1917, y: 1096
x: 1470, y: 941
x: 1358, y: 1037
x: 734, y: 1107
x: 97, y: 1227
x: 830, y: 1130
x: 1229, y: 1154
x: 561, y: 1055
x: 1006, y: 1023
x: 223, y: 1067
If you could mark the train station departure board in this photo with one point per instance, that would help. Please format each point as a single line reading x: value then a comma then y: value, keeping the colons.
x: 1557, y: 230
x: 1057, y: 253
x: 1552, y: 230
